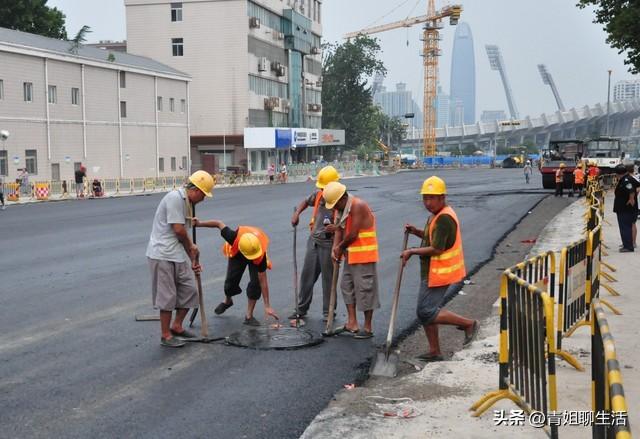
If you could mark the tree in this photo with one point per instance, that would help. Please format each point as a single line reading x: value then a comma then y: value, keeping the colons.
x: 33, y: 16
x: 621, y: 21
x: 391, y: 129
x: 79, y: 39
x: 347, y: 101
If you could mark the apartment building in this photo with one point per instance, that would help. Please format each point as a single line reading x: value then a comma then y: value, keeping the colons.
x: 119, y: 115
x: 248, y: 60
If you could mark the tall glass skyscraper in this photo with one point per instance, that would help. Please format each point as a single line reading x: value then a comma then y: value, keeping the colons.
x: 463, y: 77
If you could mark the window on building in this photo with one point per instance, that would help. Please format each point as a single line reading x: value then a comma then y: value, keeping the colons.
x: 267, y: 87
x: 159, y: 106
x: 123, y: 80
x: 176, y: 11
x: 28, y: 91
x: 177, y: 46
x: 75, y: 96
x: 55, y: 171
x: 172, y: 105
x: 31, y: 161
x: 52, y: 94
x: 161, y: 164
x: 123, y: 109
x: 183, y: 105
x: 77, y: 166
x: 4, y: 164
x: 184, y: 162
x: 1, y: 89
x: 173, y: 163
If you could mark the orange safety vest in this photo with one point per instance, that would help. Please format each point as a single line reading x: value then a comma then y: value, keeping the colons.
x: 230, y: 251
x: 316, y: 205
x: 447, y: 268
x: 364, y: 249
x: 559, y: 176
x: 578, y: 176
x: 594, y: 171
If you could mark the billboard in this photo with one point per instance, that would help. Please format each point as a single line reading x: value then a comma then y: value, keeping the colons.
x: 331, y: 137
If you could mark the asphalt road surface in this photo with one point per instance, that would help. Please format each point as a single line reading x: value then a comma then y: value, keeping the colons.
x: 74, y: 363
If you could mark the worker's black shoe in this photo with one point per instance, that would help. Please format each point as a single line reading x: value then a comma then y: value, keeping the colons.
x: 172, y: 342
x: 220, y: 309
x: 294, y: 315
x: 252, y: 321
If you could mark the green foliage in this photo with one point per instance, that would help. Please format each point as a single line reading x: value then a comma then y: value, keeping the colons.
x: 111, y: 57
x: 79, y: 39
x: 621, y: 21
x: 33, y: 16
x: 346, y: 96
x: 391, y: 129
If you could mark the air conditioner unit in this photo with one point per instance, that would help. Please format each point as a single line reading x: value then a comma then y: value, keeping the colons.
x: 285, y: 105
x: 254, y: 23
x: 278, y: 36
x: 268, y: 104
x: 275, y: 101
x: 263, y: 64
x: 282, y: 71
x: 318, y: 83
x: 275, y: 66
x: 315, y: 51
x: 315, y: 108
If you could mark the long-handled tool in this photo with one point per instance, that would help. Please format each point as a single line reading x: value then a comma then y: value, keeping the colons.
x: 194, y: 313
x: 330, y: 330
x: 295, y: 273
x: 386, y: 363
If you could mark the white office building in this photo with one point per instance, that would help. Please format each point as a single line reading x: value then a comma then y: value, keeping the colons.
x: 626, y: 90
x: 248, y: 60
x: 119, y: 115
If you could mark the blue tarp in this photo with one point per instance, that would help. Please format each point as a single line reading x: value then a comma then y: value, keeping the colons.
x: 467, y: 160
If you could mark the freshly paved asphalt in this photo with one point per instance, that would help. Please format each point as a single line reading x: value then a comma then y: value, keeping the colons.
x: 74, y: 363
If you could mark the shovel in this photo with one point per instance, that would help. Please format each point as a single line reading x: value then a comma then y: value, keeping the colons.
x: 330, y: 330
x: 386, y: 363
x: 295, y: 274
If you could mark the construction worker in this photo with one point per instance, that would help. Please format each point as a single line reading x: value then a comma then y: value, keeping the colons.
x: 594, y: 171
x: 355, y: 233
x: 169, y: 251
x: 245, y: 246
x: 317, y: 258
x: 442, y: 268
x: 528, y: 170
x: 578, y: 180
x: 560, y: 180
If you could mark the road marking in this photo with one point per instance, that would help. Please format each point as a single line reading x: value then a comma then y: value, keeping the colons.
x: 55, y: 329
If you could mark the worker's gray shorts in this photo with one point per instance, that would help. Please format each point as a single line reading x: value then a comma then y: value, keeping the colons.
x: 432, y: 300
x: 360, y: 286
x: 173, y: 285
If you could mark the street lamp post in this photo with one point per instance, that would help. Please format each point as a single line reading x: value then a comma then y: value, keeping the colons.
x: 608, y: 99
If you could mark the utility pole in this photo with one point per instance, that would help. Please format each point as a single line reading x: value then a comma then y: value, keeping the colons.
x: 608, y: 100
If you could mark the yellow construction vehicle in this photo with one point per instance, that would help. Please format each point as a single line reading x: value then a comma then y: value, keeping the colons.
x: 392, y: 160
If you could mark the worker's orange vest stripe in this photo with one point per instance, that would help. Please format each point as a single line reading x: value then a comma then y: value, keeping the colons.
x: 364, y: 249
x: 230, y: 251
x: 316, y: 205
x: 578, y: 176
x: 593, y: 172
x: 447, y: 268
x: 559, y: 175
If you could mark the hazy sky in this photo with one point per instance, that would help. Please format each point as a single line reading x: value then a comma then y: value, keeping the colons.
x: 529, y: 32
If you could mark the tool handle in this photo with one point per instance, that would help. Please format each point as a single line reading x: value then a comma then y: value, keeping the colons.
x: 332, y: 300
x: 193, y: 227
x: 295, y: 270
x: 396, y: 296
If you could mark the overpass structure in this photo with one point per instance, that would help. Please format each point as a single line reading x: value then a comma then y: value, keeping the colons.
x: 574, y: 123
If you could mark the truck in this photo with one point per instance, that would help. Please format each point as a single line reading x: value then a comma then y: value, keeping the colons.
x: 606, y: 152
x: 569, y: 152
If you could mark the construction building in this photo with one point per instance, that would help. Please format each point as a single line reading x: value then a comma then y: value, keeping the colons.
x: 63, y: 105
x: 248, y: 59
x: 626, y: 90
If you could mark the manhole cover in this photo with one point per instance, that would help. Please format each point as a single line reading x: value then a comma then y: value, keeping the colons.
x: 265, y: 337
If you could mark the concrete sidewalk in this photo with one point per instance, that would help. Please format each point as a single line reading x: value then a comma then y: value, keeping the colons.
x: 449, y: 388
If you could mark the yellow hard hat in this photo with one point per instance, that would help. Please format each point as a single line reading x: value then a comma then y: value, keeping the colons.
x: 249, y: 246
x: 562, y: 165
x: 332, y: 193
x: 326, y: 176
x: 593, y: 163
x: 433, y: 186
x: 203, y: 181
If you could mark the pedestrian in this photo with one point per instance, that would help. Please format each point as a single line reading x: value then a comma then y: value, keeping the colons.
x: 80, y: 175
x: 636, y: 183
x: 442, y: 268
x: 625, y: 206
x: 246, y: 246
x: 2, y: 192
x: 24, y: 181
x: 593, y: 171
x: 169, y: 252
x: 560, y: 180
x: 317, y: 259
x: 283, y: 173
x: 578, y: 180
x: 528, y: 170
x: 271, y: 172
x: 356, y: 235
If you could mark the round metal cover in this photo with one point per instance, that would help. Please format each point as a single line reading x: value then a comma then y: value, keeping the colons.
x: 266, y: 337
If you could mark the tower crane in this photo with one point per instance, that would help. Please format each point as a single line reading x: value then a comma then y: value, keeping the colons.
x: 430, y: 53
